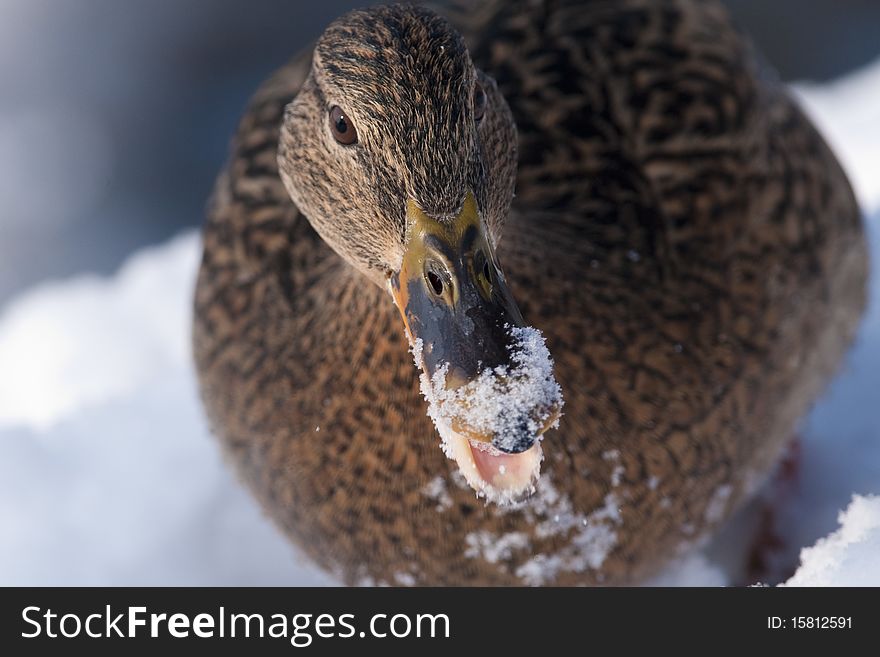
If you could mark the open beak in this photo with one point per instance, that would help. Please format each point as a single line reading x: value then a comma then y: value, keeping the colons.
x: 487, y: 377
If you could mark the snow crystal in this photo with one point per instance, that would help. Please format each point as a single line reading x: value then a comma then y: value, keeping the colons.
x: 493, y: 548
x: 416, y: 350
x: 718, y: 503
x: 435, y: 490
x: 405, y: 579
x: 459, y: 480
x: 611, y: 454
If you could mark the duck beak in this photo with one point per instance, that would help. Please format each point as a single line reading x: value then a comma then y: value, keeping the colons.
x: 487, y: 377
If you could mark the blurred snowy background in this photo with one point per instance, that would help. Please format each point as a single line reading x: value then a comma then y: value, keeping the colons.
x: 114, y: 120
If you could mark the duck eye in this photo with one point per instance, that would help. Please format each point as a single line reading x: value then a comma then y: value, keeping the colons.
x: 479, y: 102
x: 342, y: 127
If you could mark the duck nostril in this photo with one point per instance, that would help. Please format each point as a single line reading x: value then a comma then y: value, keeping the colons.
x: 438, y: 279
x: 481, y: 264
x: 436, y: 283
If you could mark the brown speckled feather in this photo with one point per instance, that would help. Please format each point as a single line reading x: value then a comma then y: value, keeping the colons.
x: 681, y: 234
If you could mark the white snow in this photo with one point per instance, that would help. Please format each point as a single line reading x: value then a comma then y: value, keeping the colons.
x: 492, y: 548
x: 849, y: 556
x: 108, y: 474
x: 66, y: 348
x: 435, y: 490
x: 591, y: 535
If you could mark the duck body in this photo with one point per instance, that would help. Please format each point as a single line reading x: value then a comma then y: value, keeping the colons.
x: 681, y: 234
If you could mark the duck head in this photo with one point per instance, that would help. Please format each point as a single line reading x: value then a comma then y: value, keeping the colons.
x: 402, y: 155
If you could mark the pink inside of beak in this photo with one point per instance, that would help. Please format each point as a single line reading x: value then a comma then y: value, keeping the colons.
x: 502, y: 469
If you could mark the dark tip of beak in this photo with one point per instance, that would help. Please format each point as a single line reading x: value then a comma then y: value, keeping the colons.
x: 525, y: 441
x: 525, y: 433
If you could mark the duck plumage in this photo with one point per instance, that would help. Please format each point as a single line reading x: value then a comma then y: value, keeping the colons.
x: 681, y: 235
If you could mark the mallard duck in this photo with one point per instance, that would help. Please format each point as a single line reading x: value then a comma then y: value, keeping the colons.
x: 683, y: 267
